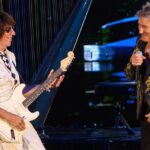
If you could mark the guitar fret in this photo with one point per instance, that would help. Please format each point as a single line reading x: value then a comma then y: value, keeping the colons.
x: 42, y: 88
x: 30, y: 100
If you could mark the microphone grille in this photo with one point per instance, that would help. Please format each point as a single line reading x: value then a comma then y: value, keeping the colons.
x: 139, y: 53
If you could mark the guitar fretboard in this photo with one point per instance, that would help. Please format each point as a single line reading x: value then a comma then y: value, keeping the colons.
x: 28, y: 101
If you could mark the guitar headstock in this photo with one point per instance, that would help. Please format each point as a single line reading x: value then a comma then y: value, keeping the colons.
x: 64, y: 64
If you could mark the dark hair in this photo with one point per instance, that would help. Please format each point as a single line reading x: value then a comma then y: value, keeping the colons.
x: 5, y: 20
x: 144, y: 11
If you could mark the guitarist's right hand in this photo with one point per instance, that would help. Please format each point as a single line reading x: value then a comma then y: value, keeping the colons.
x: 15, y: 121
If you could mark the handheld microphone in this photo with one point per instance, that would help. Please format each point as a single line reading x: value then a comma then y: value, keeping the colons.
x: 139, y: 54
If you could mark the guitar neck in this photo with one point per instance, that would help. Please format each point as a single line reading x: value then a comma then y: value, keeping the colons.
x: 28, y: 101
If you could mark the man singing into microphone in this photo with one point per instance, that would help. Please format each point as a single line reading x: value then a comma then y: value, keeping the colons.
x: 138, y: 69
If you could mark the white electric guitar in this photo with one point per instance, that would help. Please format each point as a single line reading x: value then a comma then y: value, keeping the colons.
x: 18, y: 104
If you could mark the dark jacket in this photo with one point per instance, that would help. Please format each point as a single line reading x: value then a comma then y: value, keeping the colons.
x: 138, y: 75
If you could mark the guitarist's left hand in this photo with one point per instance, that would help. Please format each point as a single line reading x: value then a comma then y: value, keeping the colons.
x: 56, y: 83
x: 28, y: 90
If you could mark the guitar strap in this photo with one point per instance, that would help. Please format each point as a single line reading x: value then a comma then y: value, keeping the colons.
x: 20, y: 76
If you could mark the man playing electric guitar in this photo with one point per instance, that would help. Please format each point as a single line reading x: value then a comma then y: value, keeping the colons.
x: 9, y: 79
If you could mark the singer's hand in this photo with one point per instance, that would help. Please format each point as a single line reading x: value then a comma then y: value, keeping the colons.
x: 137, y: 60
